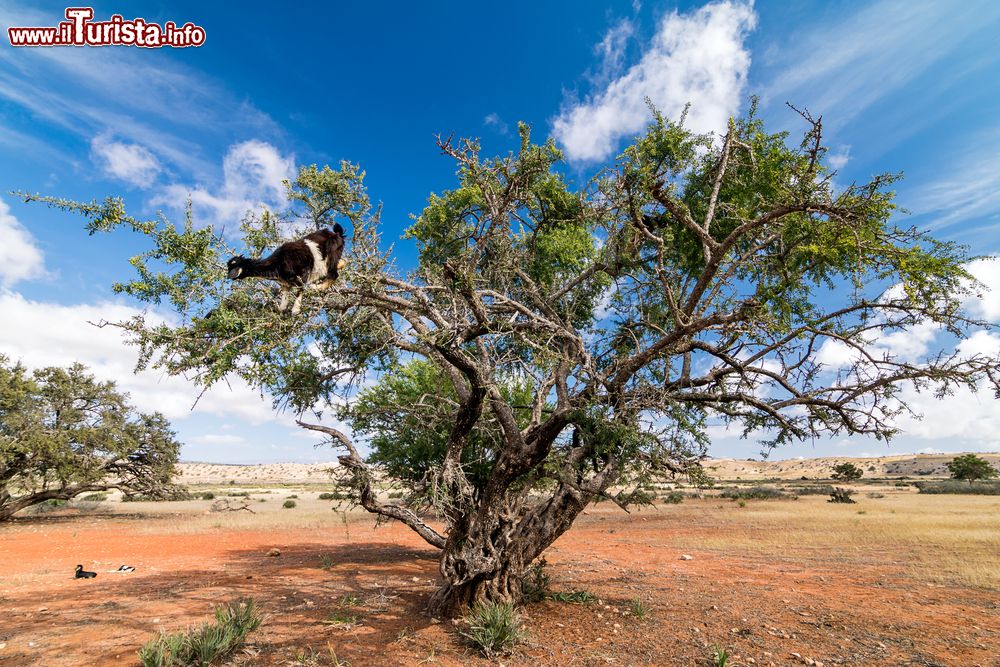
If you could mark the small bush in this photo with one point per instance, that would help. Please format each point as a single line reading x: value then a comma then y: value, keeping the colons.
x: 839, y: 495
x: 813, y: 490
x: 673, y: 498
x: 494, y: 628
x: 200, y: 646
x: 175, y: 496
x: 288, y: 504
x: 395, y: 494
x: 901, y: 484
x: 959, y: 486
x: 99, y: 497
x: 208, y: 495
x: 293, y: 496
x: 755, y: 493
x: 638, y: 608
x: 535, y: 583
x: 238, y: 494
x: 335, y: 495
x: 576, y: 597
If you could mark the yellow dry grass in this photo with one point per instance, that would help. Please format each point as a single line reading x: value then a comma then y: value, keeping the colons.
x: 936, y: 538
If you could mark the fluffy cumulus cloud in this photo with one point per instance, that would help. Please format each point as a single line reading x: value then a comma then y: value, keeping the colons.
x: 49, y: 334
x: 20, y: 258
x: 697, y: 58
x: 252, y: 175
x: 129, y: 163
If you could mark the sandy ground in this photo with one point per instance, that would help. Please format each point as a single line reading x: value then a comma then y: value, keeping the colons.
x: 774, y: 583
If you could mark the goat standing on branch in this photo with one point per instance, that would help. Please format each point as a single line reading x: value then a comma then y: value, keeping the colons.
x: 313, y: 260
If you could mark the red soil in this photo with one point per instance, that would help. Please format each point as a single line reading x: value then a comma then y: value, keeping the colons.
x: 764, y: 611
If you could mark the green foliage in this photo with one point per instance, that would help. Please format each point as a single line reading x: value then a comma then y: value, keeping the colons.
x: 638, y: 609
x: 673, y: 498
x: 199, y: 647
x: 99, y: 497
x: 847, y: 472
x: 574, y: 597
x: 333, y: 495
x: 208, y: 495
x: 971, y: 467
x: 839, y: 495
x: 755, y: 493
x: 535, y: 584
x: 288, y: 504
x: 960, y: 487
x: 720, y: 656
x: 494, y: 628
x: 62, y: 433
x: 408, y: 416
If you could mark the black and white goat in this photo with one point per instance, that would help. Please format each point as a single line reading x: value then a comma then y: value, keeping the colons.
x: 312, y: 261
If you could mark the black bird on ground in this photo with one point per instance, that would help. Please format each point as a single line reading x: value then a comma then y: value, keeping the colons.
x: 83, y: 574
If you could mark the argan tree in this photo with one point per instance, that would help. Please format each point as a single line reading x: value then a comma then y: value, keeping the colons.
x: 552, y: 345
x: 971, y: 467
x: 847, y: 472
x: 63, y: 433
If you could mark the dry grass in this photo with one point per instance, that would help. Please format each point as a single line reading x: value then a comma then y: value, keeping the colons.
x: 945, y: 539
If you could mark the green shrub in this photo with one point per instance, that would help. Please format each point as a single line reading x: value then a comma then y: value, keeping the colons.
x: 200, y: 646
x: 673, y: 498
x: 335, y: 495
x: 576, y: 597
x: 208, y: 495
x: 293, y: 496
x: 839, y: 495
x: 755, y: 493
x: 175, y: 496
x: 535, y: 583
x: 638, y: 608
x: 396, y: 494
x: 494, y: 628
x: 238, y: 494
x: 288, y: 504
x: 812, y: 490
x: 959, y: 486
x: 99, y: 497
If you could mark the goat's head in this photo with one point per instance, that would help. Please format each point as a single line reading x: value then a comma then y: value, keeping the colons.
x: 236, y: 267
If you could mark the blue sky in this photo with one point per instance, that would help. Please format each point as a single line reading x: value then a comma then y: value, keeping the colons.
x: 909, y: 86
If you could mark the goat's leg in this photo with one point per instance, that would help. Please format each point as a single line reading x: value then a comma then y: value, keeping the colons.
x: 297, y: 306
x: 283, y: 303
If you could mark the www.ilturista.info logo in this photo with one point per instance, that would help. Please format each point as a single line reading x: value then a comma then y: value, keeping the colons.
x: 80, y: 30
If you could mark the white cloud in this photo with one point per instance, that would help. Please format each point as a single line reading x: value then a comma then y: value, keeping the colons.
x: 611, y: 51
x: 966, y: 187
x: 839, y: 158
x: 697, y: 58
x: 20, y: 258
x: 49, y: 334
x: 839, y: 69
x: 170, y: 109
x: 130, y: 163
x: 252, y: 175
x: 495, y: 121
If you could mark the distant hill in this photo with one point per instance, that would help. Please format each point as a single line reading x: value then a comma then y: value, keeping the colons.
x: 261, y: 473
x: 902, y: 465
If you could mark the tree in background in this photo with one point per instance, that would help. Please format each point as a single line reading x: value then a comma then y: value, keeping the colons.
x: 847, y: 472
x: 63, y: 433
x: 971, y: 467
x: 557, y: 345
